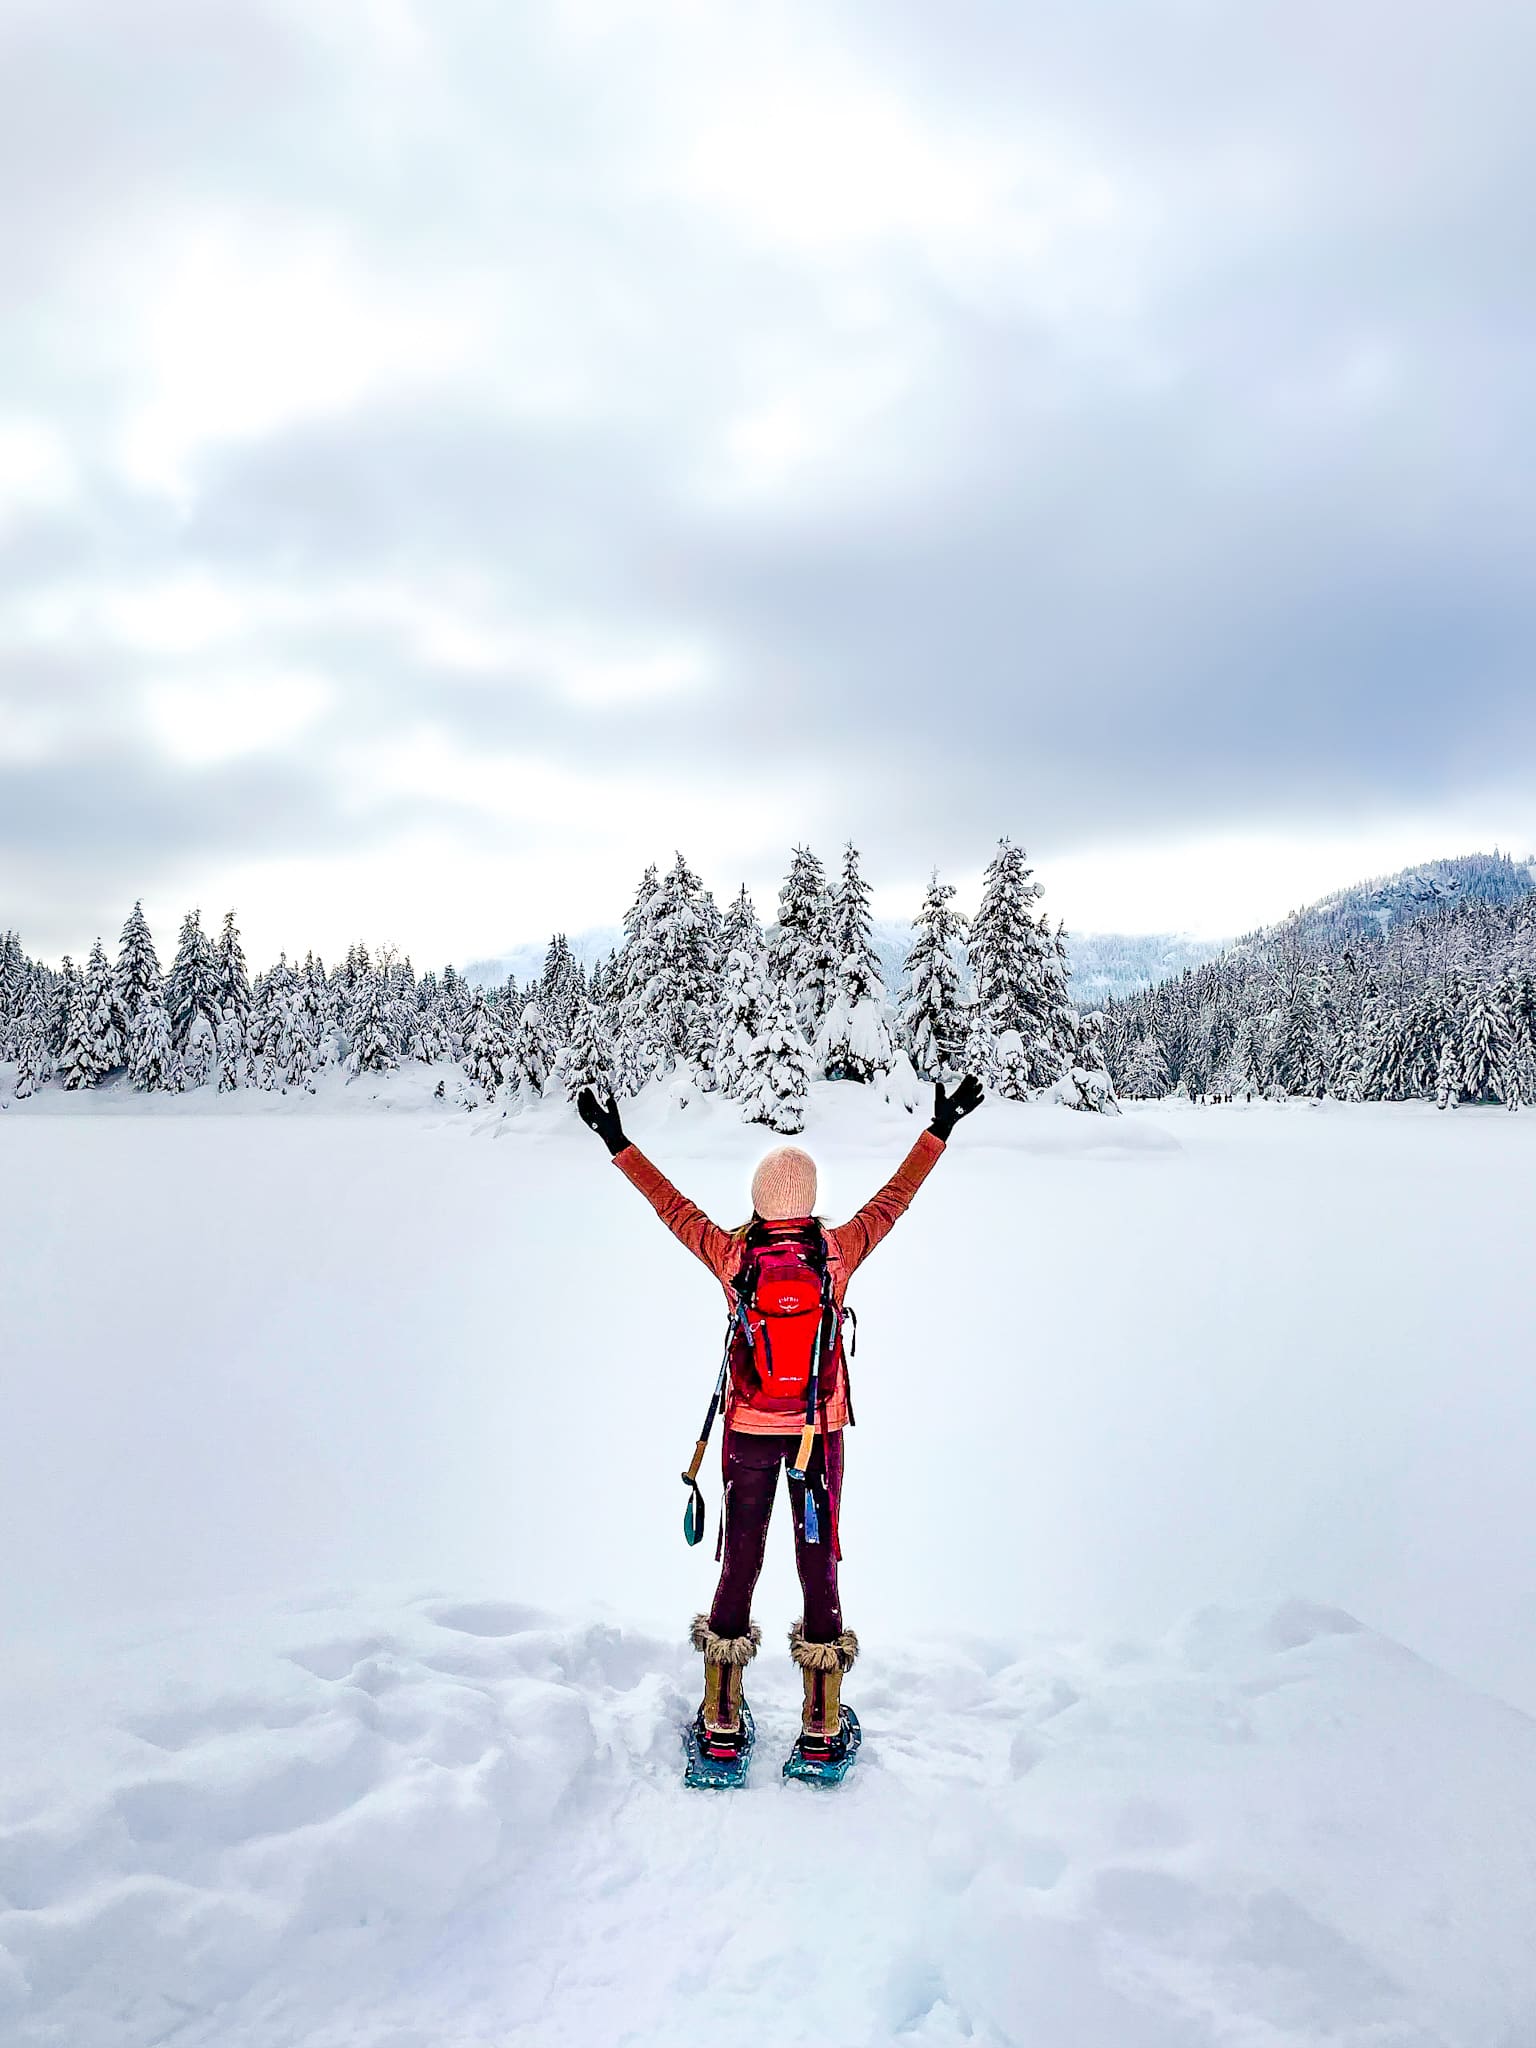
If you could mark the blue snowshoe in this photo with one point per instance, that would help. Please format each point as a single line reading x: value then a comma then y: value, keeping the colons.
x: 718, y: 1763
x: 826, y: 1762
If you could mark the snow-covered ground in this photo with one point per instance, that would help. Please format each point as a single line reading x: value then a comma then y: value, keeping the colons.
x: 346, y: 1586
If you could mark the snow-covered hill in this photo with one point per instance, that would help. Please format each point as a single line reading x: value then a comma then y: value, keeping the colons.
x: 444, y: 1822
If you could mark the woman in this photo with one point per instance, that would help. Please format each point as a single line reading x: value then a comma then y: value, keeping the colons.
x: 786, y: 1404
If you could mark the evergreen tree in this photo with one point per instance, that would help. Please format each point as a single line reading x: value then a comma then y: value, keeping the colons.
x: 1297, y: 1063
x: 637, y: 968
x: 1146, y: 1077
x: 33, y: 1061
x: 533, y: 1054
x: 1012, y: 1073
x: 851, y: 923
x: 1012, y: 956
x: 77, y: 1062
x: 192, y: 988
x: 587, y: 1061
x: 1448, y: 1074
x: 634, y: 1063
x: 373, y: 1041
x: 740, y: 931
x: 682, y: 997
x: 801, y: 951
x: 779, y: 1068
x: 743, y: 1019
x: 1485, y: 1048
x: 104, y: 1040
x: 560, y: 989
x: 200, y: 1053
x: 234, y: 984
x: 230, y: 1050
x: 152, y: 1062
x: 138, y: 979
x: 932, y: 1020
x: 854, y: 1040
x: 487, y: 1054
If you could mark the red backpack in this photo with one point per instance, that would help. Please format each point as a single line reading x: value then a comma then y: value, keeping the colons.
x: 784, y: 1303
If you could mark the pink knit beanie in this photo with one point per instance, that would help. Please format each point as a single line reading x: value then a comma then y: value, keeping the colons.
x: 784, y: 1184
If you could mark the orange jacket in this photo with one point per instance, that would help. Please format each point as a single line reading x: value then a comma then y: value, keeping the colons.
x: 848, y: 1246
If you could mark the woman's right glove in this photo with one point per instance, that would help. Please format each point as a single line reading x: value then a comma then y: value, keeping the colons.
x: 948, y: 1109
x: 602, y: 1118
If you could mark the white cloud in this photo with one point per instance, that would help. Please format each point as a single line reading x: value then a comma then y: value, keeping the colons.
x: 218, y: 716
x: 254, y: 322
x: 35, y: 467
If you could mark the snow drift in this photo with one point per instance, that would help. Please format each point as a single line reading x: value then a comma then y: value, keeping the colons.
x: 442, y: 1822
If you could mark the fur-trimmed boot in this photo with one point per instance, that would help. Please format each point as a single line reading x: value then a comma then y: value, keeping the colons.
x: 822, y: 1666
x: 725, y: 1659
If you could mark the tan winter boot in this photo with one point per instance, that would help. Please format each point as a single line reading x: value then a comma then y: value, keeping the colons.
x: 822, y: 1665
x: 725, y: 1659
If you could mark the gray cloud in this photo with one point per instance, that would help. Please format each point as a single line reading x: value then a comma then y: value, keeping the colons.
x: 1153, y: 412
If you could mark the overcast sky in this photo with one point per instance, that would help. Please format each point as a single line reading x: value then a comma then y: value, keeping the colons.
x: 452, y: 454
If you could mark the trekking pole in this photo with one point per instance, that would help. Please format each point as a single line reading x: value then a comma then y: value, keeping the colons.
x: 800, y: 1470
x: 693, y: 1513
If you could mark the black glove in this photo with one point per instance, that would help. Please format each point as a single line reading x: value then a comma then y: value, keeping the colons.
x: 948, y: 1109
x: 602, y: 1118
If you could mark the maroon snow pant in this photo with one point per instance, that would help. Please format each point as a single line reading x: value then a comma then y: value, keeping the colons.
x: 751, y: 1480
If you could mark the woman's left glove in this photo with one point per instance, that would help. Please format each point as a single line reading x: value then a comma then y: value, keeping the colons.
x: 948, y: 1109
x: 602, y: 1117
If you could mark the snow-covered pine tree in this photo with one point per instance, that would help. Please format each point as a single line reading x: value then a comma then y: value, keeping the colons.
x: 264, y: 1036
x: 743, y: 1020
x: 854, y: 1040
x: 373, y: 1041
x: 740, y: 931
x: 192, y: 988
x: 1448, y: 1073
x: 561, y: 989
x: 1086, y: 1084
x: 1011, y: 956
x: 199, y: 1055
x: 1012, y: 1073
x: 533, y: 1054
x: 234, y: 991
x: 637, y: 967
x: 780, y: 1067
x: 682, y: 998
x: 137, y: 979
x: 107, y: 1050
x: 979, y: 1053
x: 77, y: 1061
x: 1485, y: 1047
x: 487, y: 1054
x: 587, y: 1062
x: 801, y: 951
x: 13, y: 981
x: 34, y: 1063
x: 850, y: 920
x: 1297, y: 1063
x: 1059, y: 1037
x: 932, y: 1017
x: 152, y: 1061
x: 1146, y: 1077
x: 229, y: 1047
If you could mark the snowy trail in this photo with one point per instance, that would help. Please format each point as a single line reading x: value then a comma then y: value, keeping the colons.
x: 452, y: 1825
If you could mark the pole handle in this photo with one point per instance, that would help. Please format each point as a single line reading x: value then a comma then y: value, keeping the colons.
x: 807, y: 1445
x: 698, y: 1458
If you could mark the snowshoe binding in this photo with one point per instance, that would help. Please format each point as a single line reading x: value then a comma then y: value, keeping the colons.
x: 826, y: 1759
x: 718, y: 1762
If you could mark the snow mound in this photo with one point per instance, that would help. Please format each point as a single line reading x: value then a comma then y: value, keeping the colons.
x: 459, y: 1821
